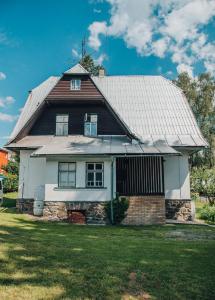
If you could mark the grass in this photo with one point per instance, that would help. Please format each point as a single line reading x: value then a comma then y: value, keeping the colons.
x: 41, y: 260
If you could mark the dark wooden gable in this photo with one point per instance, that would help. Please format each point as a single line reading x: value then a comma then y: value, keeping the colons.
x: 62, y: 90
x: 76, y: 103
x: 107, y: 122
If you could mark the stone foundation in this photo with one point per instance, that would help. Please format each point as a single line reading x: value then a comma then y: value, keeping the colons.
x: 94, y: 211
x: 180, y: 210
x: 25, y: 205
x: 145, y: 210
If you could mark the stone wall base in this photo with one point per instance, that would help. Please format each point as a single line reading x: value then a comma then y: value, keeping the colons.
x: 25, y: 205
x: 180, y: 210
x: 145, y: 210
x: 94, y: 211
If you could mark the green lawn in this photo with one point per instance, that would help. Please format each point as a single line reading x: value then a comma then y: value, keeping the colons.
x: 40, y: 260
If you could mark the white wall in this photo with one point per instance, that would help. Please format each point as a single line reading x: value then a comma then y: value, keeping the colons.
x: 176, y: 177
x: 80, y: 193
x: 31, y: 174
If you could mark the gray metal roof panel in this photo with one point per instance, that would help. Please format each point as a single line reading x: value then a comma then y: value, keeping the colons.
x: 35, y: 99
x: 82, y: 145
x: 77, y: 69
x: 151, y: 105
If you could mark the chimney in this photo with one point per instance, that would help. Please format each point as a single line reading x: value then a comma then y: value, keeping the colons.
x: 101, y: 72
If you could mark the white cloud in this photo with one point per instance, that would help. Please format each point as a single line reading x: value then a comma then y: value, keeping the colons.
x: 100, y: 59
x: 7, y: 117
x: 2, y: 76
x: 160, y: 28
x: 6, y: 101
x: 185, y: 68
x: 97, y: 11
x: 96, y: 29
x: 75, y: 53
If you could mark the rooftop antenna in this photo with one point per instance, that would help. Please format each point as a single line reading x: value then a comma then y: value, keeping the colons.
x: 83, y: 47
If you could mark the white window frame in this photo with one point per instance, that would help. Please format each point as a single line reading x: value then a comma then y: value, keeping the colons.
x: 94, y: 171
x: 65, y: 125
x: 75, y: 84
x: 90, y: 124
x: 68, y: 185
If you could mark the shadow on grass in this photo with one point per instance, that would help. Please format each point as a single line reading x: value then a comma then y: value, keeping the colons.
x: 90, y: 262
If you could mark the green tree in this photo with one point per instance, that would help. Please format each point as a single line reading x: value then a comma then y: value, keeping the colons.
x: 88, y: 63
x: 12, y: 167
x: 203, y: 183
x: 200, y: 94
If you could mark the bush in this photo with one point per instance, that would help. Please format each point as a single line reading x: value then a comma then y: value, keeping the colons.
x: 207, y: 212
x: 120, y: 206
x: 203, y: 182
x: 10, y: 183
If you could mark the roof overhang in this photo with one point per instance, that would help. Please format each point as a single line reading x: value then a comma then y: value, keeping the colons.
x: 99, y: 146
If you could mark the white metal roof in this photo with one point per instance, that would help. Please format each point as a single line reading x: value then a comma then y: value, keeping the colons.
x: 151, y: 107
x: 35, y: 99
x: 82, y: 145
x: 77, y: 69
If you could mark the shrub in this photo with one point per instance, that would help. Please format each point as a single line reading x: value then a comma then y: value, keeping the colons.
x: 207, y: 212
x: 120, y: 206
x: 203, y: 182
x: 195, y: 196
x: 10, y: 183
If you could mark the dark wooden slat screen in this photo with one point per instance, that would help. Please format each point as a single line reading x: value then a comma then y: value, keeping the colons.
x: 139, y: 176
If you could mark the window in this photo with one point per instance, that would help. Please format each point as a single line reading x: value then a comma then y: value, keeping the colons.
x: 66, y: 175
x: 95, y: 175
x: 62, y: 124
x: 90, y: 124
x: 75, y: 84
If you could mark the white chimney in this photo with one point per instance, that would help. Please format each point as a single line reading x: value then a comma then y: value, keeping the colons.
x: 101, y: 72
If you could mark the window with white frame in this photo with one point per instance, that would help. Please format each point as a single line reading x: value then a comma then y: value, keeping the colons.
x: 67, y: 174
x: 95, y: 175
x: 90, y: 124
x: 62, y: 124
x: 75, y: 84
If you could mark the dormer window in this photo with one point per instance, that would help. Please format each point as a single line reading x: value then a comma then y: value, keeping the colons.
x: 75, y: 84
x: 90, y: 124
x: 62, y: 124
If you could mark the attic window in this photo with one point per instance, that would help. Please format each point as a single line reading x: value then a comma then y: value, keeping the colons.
x: 62, y: 124
x: 75, y: 84
x: 90, y: 124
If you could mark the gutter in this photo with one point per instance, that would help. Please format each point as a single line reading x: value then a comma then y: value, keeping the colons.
x: 111, y: 201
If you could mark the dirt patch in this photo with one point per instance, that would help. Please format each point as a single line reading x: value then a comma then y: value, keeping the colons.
x: 189, y: 235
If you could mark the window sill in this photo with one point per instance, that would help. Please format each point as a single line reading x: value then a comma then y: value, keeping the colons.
x: 79, y: 188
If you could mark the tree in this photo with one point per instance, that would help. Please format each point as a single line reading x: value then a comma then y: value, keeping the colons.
x: 12, y: 167
x: 203, y: 182
x: 200, y: 94
x: 88, y: 63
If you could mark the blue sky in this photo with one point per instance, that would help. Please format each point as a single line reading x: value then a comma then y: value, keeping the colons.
x: 42, y: 38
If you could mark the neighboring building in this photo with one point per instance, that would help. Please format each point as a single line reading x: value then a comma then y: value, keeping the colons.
x: 4, y: 157
x: 84, y: 139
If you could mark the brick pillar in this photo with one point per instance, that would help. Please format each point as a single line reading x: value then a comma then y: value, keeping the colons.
x: 145, y: 210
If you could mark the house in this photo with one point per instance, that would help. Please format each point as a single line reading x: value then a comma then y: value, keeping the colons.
x: 83, y: 140
x: 4, y: 157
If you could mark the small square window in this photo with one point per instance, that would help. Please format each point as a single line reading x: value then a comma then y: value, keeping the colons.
x: 75, y: 84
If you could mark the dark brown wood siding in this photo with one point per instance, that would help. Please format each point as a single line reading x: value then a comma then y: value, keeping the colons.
x: 107, y: 123
x: 136, y: 176
x: 62, y: 90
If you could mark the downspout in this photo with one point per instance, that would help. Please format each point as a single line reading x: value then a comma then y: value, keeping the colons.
x: 111, y: 201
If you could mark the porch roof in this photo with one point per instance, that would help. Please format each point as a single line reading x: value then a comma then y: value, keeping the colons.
x: 82, y: 145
